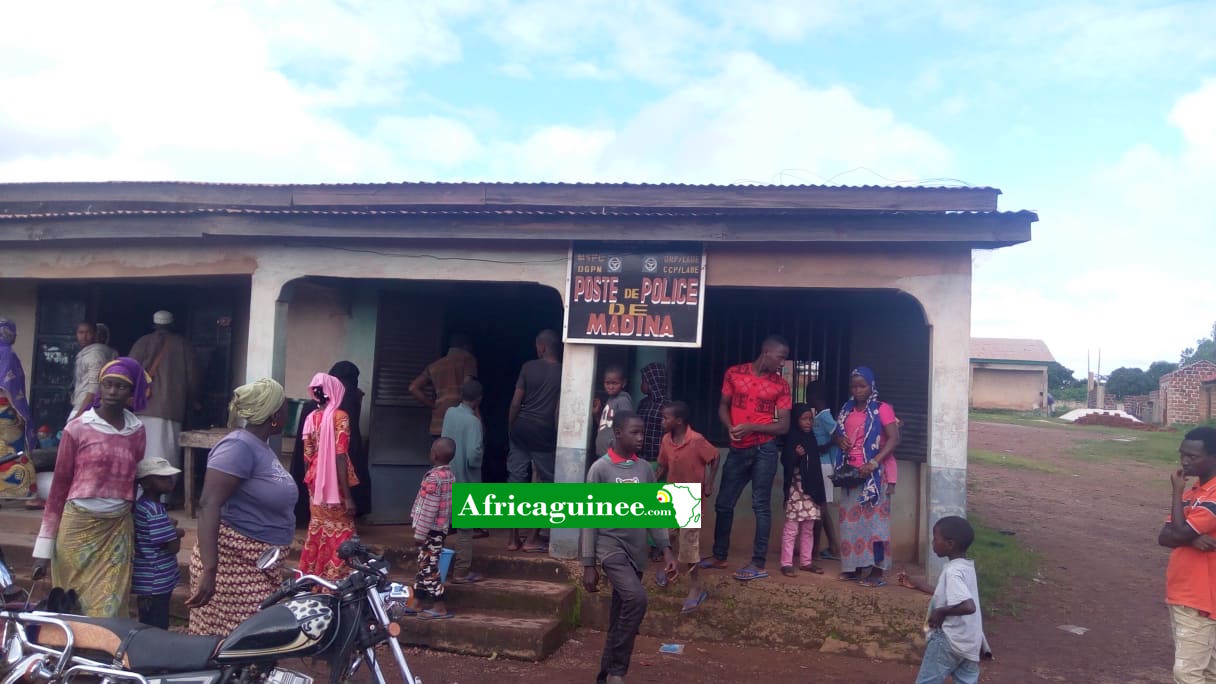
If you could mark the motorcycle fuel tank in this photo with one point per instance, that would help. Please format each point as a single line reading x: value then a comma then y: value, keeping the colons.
x: 300, y: 626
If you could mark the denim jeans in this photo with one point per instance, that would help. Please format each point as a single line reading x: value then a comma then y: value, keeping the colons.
x: 940, y: 661
x: 756, y: 466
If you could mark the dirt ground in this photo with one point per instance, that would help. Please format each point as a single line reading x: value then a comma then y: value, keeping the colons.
x: 1095, y: 526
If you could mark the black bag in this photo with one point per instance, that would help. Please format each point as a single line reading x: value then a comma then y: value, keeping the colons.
x: 847, y: 476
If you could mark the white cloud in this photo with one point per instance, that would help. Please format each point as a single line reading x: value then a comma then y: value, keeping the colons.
x: 1121, y: 260
x: 749, y: 122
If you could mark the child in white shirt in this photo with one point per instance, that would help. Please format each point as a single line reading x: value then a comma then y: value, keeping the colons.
x: 956, y: 627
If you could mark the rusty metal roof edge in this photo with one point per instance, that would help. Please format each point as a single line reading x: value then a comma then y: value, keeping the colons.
x: 440, y: 184
x: 739, y: 212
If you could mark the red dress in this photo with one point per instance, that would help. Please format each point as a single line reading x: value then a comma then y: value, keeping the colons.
x: 330, y: 524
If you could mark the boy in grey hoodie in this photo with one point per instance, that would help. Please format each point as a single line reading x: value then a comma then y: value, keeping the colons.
x: 622, y: 552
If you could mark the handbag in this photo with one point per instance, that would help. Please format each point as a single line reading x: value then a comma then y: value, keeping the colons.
x: 847, y: 476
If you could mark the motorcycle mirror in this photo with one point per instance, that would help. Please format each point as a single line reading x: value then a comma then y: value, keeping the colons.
x: 269, y: 558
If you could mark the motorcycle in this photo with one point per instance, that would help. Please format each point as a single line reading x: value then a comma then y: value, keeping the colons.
x: 343, y: 627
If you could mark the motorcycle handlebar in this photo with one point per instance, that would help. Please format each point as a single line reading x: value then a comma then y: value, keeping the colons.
x: 353, y: 548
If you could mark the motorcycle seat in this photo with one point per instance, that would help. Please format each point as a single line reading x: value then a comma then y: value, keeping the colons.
x: 149, y: 649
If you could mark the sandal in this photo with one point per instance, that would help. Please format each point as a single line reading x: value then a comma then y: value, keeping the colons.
x: 692, y: 604
x: 848, y: 577
x: 543, y: 548
x: 828, y: 555
x: 788, y: 571
x: 873, y: 582
x: 749, y: 573
x: 471, y: 578
x: 430, y: 614
x: 711, y: 563
x: 812, y: 568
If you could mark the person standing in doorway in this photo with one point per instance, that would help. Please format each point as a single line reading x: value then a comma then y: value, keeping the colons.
x: 170, y: 362
x: 650, y: 408
x: 438, y: 386
x: 867, y: 433
x: 463, y: 427
x: 755, y: 408
x: 89, y: 360
x: 532, y: 425
x: 352, y: 403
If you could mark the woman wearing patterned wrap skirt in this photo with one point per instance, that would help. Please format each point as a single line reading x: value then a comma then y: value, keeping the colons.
x: 329, y: 480
x: 247, y: 507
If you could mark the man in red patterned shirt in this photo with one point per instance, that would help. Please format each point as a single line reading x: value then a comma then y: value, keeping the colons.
x: 755, y: 408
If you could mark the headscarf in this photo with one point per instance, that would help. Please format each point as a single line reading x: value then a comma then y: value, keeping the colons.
x: 872, y: 435
x: 650, y: 409
x: 129, y: 371
x: 12, y: 381
x: 325, y: 486
x: 256, y: 402
x: 807, y: 465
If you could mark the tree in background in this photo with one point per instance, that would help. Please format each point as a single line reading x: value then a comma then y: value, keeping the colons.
x: 1060, y: 377
x: 1160, y: 368
x: 1125, y: 382
x: 1204, y: 350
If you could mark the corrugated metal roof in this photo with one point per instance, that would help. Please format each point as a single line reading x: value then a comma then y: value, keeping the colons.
x: 440, y: 184
x: 1010, y: 349
x: 505, y: 212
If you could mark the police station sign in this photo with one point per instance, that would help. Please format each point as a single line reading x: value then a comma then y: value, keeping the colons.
x: 635, y: 294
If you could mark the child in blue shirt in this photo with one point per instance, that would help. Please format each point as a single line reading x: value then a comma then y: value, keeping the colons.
x: 829, y: 456
x: 155, y: 571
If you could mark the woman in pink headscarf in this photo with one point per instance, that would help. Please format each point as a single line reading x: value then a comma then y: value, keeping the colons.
x: 329, y: 477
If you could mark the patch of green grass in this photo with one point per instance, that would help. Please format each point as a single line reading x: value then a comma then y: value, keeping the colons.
x: 1156, y: 448
x: 1011, y: 461
x: 1000, y: 561
x: 1018, y: 417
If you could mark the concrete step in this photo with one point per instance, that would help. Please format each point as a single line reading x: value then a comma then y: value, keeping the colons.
x: 487, y: 634
x: 532, y: 598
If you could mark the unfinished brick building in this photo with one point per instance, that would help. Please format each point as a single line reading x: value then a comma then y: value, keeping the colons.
x: 1183, y: 395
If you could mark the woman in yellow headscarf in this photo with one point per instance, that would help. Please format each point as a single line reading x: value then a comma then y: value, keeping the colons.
x: 247, y: 506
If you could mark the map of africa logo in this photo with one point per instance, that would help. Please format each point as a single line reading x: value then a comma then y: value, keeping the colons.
x: 686, y: 499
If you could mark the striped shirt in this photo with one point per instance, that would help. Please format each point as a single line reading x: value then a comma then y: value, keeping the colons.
x: 433, y: 506
x: 154, y: 568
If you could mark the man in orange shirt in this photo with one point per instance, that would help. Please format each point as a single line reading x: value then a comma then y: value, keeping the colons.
x: 438, y: 386
x: 1190, y: 578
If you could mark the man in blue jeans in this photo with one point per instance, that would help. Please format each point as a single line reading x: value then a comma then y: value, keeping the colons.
x: 755, y: 408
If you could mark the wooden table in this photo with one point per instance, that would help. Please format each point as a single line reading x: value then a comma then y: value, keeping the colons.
x: 189, y: 441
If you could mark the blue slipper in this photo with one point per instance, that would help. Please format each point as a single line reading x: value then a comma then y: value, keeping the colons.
x: 430, y: 614
x: 660, y: 578
x: 750, y: 573
x: 692, y: 604
x: 828, y: 555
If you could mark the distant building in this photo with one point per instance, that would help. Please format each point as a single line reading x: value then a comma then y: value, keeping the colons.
x: 1187, y: 394
x: 1009, y: 373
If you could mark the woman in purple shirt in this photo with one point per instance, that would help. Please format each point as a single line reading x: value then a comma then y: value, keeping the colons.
x: 247, y: 506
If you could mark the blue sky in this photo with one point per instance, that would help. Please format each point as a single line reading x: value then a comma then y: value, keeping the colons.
x: 1101, y: 116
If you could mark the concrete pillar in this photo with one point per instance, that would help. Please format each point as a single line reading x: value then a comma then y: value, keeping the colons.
x: 573, y: 433
x: 269, y: 297
x: 947, y: 303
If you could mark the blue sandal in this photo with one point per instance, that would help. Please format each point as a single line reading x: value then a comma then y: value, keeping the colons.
x: 749, y: 573
x: 691, y: 605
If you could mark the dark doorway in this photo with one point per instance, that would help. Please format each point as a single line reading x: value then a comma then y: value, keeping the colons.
x: 203, y: 310
x: 416, y: 322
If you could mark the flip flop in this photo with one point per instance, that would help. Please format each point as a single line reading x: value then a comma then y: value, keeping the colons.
x: 873, y: 582
x: 691, y: 605
x: 848, y: 577
x: 828, y: 555
x: 430, y: 614
x: 749, y: 573
x: 543, y: 548
x: 812, y: 568
x: 660, y: 578
x: 712, y: 563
